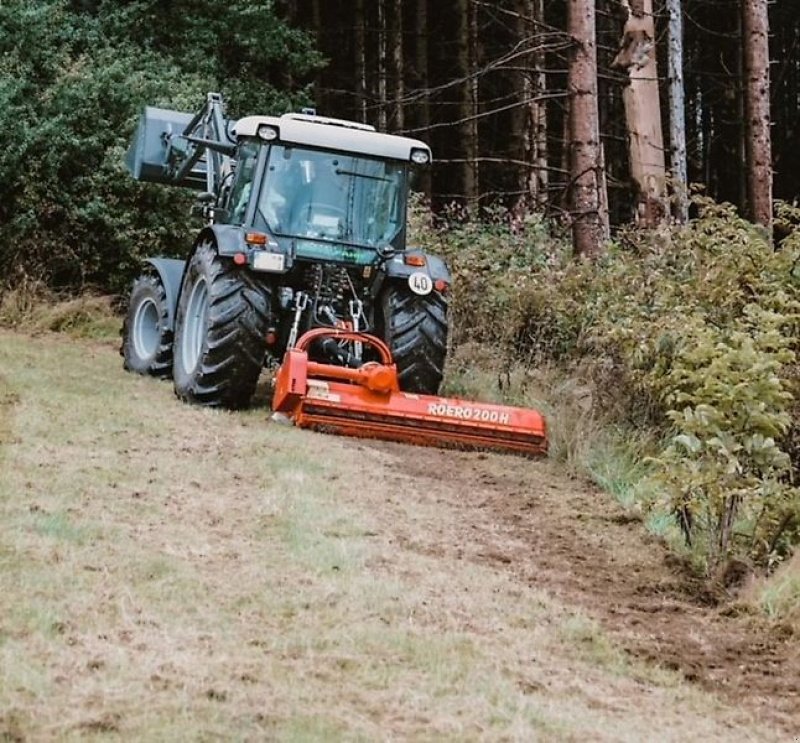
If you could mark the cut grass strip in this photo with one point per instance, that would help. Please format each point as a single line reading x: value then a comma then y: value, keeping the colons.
x: 169, y: 572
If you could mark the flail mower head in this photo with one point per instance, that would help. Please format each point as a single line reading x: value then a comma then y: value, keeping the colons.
x: 367, y: 402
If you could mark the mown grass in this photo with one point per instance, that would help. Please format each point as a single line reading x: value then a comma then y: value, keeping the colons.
x: 173, y: 573
x: 584, y: 442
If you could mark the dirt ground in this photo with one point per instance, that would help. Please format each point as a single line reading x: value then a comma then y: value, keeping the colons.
x: 169, y: 572
x: 578, y: 544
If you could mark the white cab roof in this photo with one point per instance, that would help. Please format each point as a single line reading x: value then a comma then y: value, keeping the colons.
x: 332, y: 134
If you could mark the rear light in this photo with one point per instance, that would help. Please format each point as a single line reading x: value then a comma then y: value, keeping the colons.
x: 272, y: 337
x: 240, y: 259
x: 255, y: 238
x: 441, y: 286
x: 414, y: 260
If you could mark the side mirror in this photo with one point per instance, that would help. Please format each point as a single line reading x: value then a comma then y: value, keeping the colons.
x: 206, y: 198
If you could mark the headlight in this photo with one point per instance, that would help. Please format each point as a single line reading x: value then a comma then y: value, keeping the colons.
x: 267, y: 133
x: 420, y: 157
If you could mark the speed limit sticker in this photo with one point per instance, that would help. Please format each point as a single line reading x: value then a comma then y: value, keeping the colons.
x: 420, y: 283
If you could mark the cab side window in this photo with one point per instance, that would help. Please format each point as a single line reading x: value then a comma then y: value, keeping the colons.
x: 243, y: 185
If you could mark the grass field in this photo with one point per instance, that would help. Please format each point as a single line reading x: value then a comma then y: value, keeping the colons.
x: 175, y: 573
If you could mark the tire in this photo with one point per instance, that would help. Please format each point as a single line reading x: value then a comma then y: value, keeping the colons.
x: 146, y: 335
x: 220, y: 332
x: 415, y: 329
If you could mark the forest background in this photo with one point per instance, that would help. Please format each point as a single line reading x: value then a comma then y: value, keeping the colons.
x: 485, y: 84
x: 685, y: 335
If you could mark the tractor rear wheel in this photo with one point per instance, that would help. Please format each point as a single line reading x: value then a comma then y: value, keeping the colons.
x: 415, y: 329
x: 220, y: 332
x: 146, y: 335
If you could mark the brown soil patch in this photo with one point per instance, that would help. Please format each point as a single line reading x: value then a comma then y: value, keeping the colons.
x: 579, y: 545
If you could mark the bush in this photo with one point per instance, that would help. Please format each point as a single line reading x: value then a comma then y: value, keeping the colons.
x: 689, y: 333
x: 74, y: 79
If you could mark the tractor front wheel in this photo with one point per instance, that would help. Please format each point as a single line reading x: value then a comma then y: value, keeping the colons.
x: 146, y: 335
x: 415, y: 328
x: 220, y: 332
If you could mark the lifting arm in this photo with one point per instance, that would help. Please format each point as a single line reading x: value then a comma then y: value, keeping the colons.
x: 183, y: 149
x: 205, y: 137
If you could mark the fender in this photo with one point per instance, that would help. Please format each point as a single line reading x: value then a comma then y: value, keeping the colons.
x: 170, y: 271
x: 229, y: 238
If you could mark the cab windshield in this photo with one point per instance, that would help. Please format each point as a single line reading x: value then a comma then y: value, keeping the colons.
x: 333, y: 196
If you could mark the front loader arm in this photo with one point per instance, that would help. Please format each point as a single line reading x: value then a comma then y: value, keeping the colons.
x: 204, y: 137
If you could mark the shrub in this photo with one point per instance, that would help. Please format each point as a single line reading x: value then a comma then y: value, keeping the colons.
x: 688, y: 332
x: 73, y: 80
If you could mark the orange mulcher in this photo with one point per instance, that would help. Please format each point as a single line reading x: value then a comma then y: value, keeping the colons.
x: 367, y: 402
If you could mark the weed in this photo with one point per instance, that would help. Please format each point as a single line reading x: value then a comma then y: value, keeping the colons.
x: 778, y: 595
x: 32, y: 307
x: 618, y: 463
x: 591, y: 643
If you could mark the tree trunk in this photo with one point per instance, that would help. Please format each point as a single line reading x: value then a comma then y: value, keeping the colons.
x: 397, y: 63
x: 469, y: 186
x: 539, y: 176
x: 423, y: 106
x: 757, y: 115
x: 643, y: 111
x: 382, y: 65
x: 677, y: 112
x: 741, y: 116
x: 584, y: 129
x: 602, y: 195
x: 316, y: 24
x: 360, y: 59
x: 522, y: 120
x: 530, y: 119
x: 474, y: 95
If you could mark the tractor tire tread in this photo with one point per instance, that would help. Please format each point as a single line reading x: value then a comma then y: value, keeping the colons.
x: 415, y: 327
x: 161, y: 365
x: 235, y: 344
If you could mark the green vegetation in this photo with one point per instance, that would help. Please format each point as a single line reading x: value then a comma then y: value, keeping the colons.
x: 667, y: 369
x: 779, y: 596
x: 74, y: 77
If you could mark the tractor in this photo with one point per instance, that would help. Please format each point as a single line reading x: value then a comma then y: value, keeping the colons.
x: 305, y: 227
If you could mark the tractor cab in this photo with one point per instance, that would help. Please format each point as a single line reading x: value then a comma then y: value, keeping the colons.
x: 319, y: 185
x: 300, y: 193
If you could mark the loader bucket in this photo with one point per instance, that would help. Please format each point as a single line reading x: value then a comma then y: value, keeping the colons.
x: 147, y: 156
x: 367, y: 402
